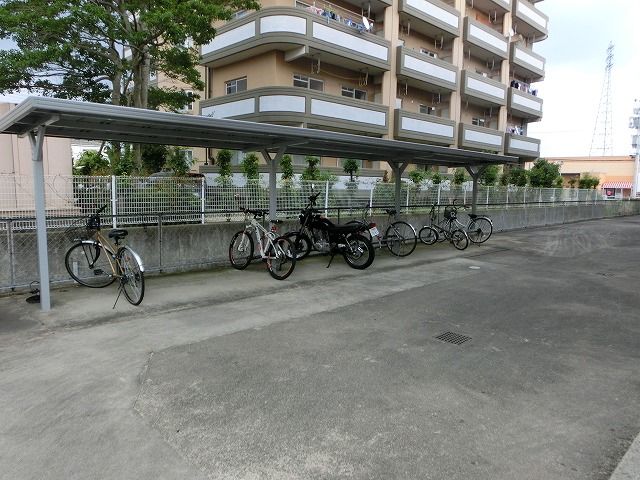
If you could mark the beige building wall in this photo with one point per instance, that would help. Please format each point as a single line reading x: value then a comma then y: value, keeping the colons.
x: 15, y: 153
x: 607, y: 169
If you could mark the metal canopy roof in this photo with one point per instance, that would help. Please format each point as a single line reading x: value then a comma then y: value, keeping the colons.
x: 83, y: 120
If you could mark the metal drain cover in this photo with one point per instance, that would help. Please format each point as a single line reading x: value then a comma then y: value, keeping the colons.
x: 454, y: 338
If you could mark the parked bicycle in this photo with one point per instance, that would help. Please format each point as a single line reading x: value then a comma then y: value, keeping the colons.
x: 478, y: 227
x: 95, y: 262
x: 278, y: 252
x: 399, y: 236
x: 446, y: 229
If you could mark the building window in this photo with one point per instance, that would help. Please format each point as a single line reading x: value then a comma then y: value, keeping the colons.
x: 429, y: 110
x: 478, y: 121
x: 354, y: 93
x: 307, y: 82
x: 237, y: 85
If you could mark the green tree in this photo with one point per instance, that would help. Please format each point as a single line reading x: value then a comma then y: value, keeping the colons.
x: 311, y: 171
x: 92, y: 162
x: 588, y: 181
x: 351, y: 167
x: 178, y: 161
x: 517, y: 176
x: 154, y: 157
x: 490, y: 175
x: 223, y: 160
x: 286, y: 167
x: 544, y: 173
x: 106, y: 51
x: 251, y: 167
x: 417, y: 176
x: 437, y: 178
x: 459, y: 176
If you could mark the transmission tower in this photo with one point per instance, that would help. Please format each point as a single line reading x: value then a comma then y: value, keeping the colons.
x: 601, y: 140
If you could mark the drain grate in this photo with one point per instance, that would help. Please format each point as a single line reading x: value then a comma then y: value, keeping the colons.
x: 454, y: 338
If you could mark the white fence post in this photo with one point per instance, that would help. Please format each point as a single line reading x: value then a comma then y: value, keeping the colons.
x: 114, y: 211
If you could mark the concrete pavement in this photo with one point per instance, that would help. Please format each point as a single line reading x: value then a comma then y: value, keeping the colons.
x: 337, y: 373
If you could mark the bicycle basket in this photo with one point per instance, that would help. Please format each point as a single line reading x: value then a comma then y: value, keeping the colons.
x: 449, y: 213
x: 78, y: 231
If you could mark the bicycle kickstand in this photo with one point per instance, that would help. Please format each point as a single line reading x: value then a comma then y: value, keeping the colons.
x: 118, y: 297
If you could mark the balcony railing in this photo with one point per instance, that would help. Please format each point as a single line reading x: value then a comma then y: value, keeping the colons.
x: 426, y: 72
x: 480, y: 138
x: 492, y: 7
x: 483, y: 91
x: 301, y: 107
x: 524, y: 105
x: 483, y: 42
x: 432, y: 18
x: 299, y: 33
x: 419, y: 127
x: 525, y: 63
x: 529, y: 22
x: 521, y: 146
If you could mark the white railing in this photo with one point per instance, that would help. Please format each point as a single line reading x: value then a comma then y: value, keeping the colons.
x: 203, y: 200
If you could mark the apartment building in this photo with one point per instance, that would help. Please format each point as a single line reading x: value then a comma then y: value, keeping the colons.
x: 456, y: 73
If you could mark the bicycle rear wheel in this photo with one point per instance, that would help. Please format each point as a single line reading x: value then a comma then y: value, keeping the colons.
x: 132, y: 272
x: 401, y: 238
x: 428, y: 235
x: 281, y: 258
x: 87, y: 263
x: 479, y: 230
x: 459, y: 239
x: 241, y: 250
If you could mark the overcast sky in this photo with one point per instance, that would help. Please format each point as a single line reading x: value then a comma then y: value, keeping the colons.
x: 576, y: 51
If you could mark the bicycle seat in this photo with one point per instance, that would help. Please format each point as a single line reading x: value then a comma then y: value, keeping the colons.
x: 277, y: 222
x: 118, y: 233
x: 391, y: 211
x: 473, y: 216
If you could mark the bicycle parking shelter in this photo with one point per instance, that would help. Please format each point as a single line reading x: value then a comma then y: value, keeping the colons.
x: 39, y: 117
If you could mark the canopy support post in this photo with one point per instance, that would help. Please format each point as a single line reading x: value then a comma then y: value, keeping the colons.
x: 398, y: 168
x: 36, y: 138
x: 273, y: 170
x: 476, y: 172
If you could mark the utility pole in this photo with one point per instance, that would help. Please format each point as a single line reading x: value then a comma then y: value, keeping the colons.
x: 634, y: 123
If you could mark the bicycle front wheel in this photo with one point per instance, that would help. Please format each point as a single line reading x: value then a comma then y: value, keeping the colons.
x: 241, y: 250
x: 87, y: 263
x: 459, y: 239
x: 132, y: 272
x: 428, y: 235
x: 479, y: 230
x: 401, y: 238
x: 301, y: 242
x: 281, y: 258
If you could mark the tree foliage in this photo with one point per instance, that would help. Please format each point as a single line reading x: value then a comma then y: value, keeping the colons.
x: 251, y: 167
x: 544, y: 174
x: 154, y: 157
x: 106, y: 51
x: 459, y: 176
x: 311, y: 171
x: 491, y: 175
x: 588, y: 181
x: 351, y: 167
x: 223, y: 160
x: 178, y: 161
x: 92, y: 162
x: 517, y: 176
x: 286, y: 167
x: 417, y: 176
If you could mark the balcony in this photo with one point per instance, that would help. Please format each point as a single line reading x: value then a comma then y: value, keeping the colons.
x: 529, y: 22
x: 425, y: 72
x: 525, y: 63
x: 483, y: 42
x: 301, y: 107
x: 299, y: 33
x: 479, y: 90
x: 418, y: 127
x: 432, y: 18
x: 480, y: 138
x: 524, y: 105
x: 492, y: 7
x: 520, y: 146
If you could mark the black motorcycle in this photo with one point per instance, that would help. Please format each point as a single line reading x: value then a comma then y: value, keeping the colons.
x: 321, y: 235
